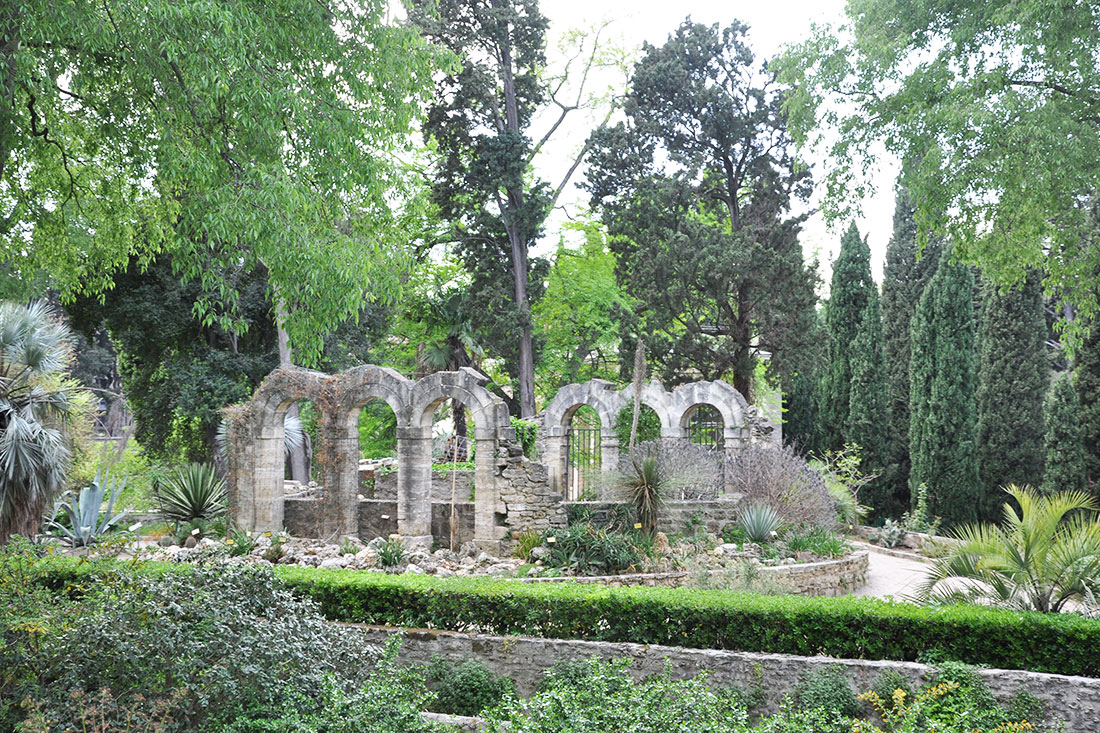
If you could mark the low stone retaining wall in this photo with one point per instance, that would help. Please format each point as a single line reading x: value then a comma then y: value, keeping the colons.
x: 826, y: 578
x: 523, y: 659
x: 378, y: 518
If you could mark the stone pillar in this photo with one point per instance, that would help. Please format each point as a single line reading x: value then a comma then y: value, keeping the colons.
x: 338, y: 459
x: 486, y: 497
x: 556, y: 458
x: 414, y: 487
x: 267, y: 481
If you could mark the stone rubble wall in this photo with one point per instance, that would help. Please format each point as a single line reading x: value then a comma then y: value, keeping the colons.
x: 384, y: 486
x: 378, y: 518
x: 527, y: 501
x: 524, y: 659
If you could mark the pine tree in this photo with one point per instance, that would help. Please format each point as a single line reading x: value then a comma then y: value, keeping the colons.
x: 1087, y: 382
x: 848, y: 296
x: 905, y: 276
x: 867, y: 415
x: 1065, y: 455
x: 1012, y: 379
x: 943, y: 420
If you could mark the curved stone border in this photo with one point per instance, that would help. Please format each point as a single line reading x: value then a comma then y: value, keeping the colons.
x: 824, y: 578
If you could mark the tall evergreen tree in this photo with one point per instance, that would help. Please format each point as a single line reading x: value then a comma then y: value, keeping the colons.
x: 1012, y: 379
x: 867, y: 413
x: 1087, y: 382
x: 848, y: 297
x: 1065, y: 456
x: 905, y: 276
x: 943, y: 419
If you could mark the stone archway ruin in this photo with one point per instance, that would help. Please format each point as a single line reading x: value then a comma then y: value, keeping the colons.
x: 255, y: 442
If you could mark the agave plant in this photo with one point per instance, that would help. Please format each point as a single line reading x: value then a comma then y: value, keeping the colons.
x: 759, y: 522
x: 88, y: 521
x: 1042, y: 558
x: 194, y: 491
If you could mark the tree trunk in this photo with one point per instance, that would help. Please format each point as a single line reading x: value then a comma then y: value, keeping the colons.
x: 458, y: 414
x: 298, y: 458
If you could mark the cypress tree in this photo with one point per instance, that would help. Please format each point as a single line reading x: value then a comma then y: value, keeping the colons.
x: 1012, y: 379
x: 800, y: 412
x: 1065, y: 455
x: 943, y: 420
x: 848, y: 296
x: 905, y: 276
x: 1087, y: 382
x: 867, y: 416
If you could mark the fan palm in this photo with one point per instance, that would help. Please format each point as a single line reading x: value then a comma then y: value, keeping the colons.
x: 37, y: 405
x: 1042, y: 558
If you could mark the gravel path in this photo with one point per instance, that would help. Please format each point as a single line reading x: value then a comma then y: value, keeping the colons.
x: 892, y: 576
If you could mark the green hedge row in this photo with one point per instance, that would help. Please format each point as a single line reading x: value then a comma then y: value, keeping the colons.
x: 855, y: 628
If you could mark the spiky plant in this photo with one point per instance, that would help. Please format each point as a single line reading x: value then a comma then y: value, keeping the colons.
x: 87, y: 519
x: 194, y: 491
x: 1043, y: 558
x: 759, y: 522
x: 38, y: 406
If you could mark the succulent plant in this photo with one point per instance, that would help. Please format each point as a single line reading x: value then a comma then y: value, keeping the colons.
x: 84, y: 510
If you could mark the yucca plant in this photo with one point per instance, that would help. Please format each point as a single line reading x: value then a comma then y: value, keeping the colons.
x: 644, y: 491
x: 759, y: 522
x: 1042, y: 558
x: 87, y: 519
x: 194, y: 491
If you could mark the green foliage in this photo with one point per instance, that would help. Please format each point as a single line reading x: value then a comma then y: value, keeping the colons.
x: 298, y: 185
x: 818, y: 540
x: 194, y: 491
x: 942, y: 375
x: 465, y: 687
x: 1044, y: 557
x: 391, y: 553
x: 827, y: 688
x: 905, y: 275
x: 1064, y: 468
x: 140, y: 471
x: 795, y: 719
x: 849, y: 295
x: 228, y: 641
x: 1012, y: 379
x: 527, y: 432
x: 577, y: 317
x: 240, y: 542
x: 609, y: 699
x: 1087, y: 383
x: 853, y: 628
x: 649, y: 425
x: 525, y: 542
x: 759, y: 522
x: 889, y: 681
x: 88, y: 520
x: 377, y: 430
x: 920, y: 519
x: 706, y: 246
x: 868, y: 420
x: 645, y: 490
x: 891, y: 533
x: 588, y: 550
x: 844, y: 479
x: 974, y: 129
x: 38, y: 409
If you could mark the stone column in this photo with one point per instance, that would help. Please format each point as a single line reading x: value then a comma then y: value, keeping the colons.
x: 267, y: 481
x: 338, y: 458
x: 486, y: 496
x: 414, y: 487
x: 556, y: 458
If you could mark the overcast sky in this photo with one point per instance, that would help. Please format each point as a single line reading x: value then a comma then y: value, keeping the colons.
x: 772, y: 25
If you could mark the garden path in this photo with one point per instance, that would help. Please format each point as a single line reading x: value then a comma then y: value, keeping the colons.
x: 888, y: 575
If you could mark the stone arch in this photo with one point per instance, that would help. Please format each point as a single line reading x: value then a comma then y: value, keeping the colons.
x: 655, y: 397
x: 730, y: 403
x: 258, y: 483
x: 492, y: 424
x: 600, y: 395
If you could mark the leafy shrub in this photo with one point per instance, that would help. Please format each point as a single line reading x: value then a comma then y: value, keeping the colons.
x: 465, y: 687
x: 891, y: 533
x: 140, y: 471
x: 792, y: 719
x: 851, y: 628
x: 226, y: 640
x: 525, y: 542
x: 391, y: 553
x: 610, y: 700
x: 889, y: 682
x: 87, y: 520
x: 240, y: 543
x: 921, y: 519
x: 759, y: 522
x: 527, y: 432
x: 844, y: 479
x: 194, y: 491
x: 587, y: 550
x: 827, y: 688
x: 566, y: 673
x: 781, y: 479
x: 819, y: 541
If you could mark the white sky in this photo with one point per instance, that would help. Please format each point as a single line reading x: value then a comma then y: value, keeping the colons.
x: 772, y: 25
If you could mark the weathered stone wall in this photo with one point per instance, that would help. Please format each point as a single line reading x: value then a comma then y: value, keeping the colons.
x: 523, y: 659
x: 526, y: 498
x: 826, y: 578
x: 378, y: 518
x: 385, y: 486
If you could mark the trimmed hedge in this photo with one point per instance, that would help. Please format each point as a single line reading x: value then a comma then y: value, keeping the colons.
x: 852, y: 628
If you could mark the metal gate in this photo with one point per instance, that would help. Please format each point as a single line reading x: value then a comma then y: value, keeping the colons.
x: 705, y: 427
x: 583, y: 442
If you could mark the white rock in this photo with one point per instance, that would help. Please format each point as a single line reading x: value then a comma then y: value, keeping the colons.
x: 414, y: 570
x: 340, y: 561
